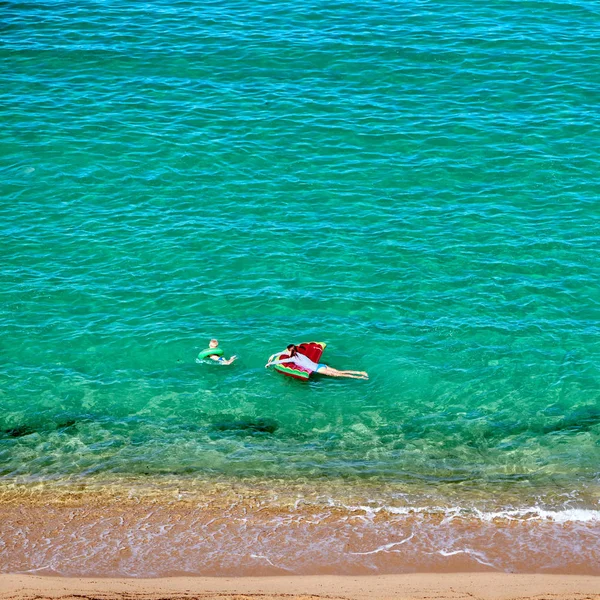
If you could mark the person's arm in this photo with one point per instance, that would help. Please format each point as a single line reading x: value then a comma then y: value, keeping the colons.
x: 279, y: 362
x: 222, y: 360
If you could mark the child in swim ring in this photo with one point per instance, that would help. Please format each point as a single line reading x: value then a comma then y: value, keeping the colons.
x: 213, y: 352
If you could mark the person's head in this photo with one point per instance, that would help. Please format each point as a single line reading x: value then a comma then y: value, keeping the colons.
x: 291, y: 348
x: 213, y: 343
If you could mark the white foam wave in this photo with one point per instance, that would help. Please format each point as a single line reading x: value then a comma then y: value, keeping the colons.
x: 532, y: 513
x: 386, y: 547
x: 478, y: 556
x: 568, y: 515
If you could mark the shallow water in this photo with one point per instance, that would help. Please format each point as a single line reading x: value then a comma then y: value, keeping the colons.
x: 219, y: 527
x: 414, y: 184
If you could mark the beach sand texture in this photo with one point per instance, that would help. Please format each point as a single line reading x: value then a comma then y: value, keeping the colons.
x: 455, y: 586
x: 235, y: 530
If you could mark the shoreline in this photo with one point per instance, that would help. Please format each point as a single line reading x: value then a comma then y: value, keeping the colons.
x: 233, y: 531
x: 441, y: 586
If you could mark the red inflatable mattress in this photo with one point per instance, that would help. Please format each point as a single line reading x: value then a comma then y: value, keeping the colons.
x: 312, y: 350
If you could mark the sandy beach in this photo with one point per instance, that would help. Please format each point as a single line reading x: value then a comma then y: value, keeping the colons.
x: 451, y: 586
x: 231, y: 529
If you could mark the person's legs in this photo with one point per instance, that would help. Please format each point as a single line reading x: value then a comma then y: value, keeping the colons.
x: 346, y: 371
x: 331, y: 372
x: 362, y: 374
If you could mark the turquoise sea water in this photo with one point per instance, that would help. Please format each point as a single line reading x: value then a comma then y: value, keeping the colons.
x: 414, y: 183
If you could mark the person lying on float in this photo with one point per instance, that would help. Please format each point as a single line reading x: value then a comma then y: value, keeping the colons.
x: 299, y: 359
x: 213, y: 352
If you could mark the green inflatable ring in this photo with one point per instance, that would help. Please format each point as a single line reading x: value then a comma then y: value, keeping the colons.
x: 210, y: 352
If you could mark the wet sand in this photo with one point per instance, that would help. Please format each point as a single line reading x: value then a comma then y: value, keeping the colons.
x: 246, y: 531
x: 451, y: 586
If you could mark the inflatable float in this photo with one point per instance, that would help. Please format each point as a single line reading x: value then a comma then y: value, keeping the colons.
x: 209, y: 352
x: 312, y: 350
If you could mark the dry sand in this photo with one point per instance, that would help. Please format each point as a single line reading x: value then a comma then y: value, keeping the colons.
x: 452, y: 586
